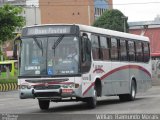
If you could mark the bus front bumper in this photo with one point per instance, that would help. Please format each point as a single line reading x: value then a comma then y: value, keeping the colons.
x: 46, y: 94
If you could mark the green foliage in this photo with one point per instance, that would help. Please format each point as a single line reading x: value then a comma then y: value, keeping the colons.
x: 111, y: 19
x: 9, y: 21
x: 9, y: 80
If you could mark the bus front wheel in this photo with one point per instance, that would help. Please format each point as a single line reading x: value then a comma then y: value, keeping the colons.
x: 92, y: 101
x: 44, y: 104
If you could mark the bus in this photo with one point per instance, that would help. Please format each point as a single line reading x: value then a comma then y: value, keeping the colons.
x: 109, y: 63
x: 8, y: 68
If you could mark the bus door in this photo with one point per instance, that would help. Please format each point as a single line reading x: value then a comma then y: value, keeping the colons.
x: 85, y: 66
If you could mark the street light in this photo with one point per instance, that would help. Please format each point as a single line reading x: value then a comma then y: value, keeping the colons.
x: 125, y: 18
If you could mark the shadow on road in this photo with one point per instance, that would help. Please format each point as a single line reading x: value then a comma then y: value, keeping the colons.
x: 82, y: 106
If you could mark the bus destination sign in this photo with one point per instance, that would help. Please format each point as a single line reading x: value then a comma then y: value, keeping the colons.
x: 44, y: 30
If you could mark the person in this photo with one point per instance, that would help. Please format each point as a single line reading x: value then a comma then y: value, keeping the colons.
x: 73, y: 58
x: 73, y: 54
x: 7, y: 71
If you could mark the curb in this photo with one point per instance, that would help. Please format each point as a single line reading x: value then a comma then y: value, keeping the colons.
x: 8, y: 87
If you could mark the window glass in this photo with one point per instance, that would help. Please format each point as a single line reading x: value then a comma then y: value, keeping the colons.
x: 95, y: 47
x: 123, y: 50
x: 146, y: 52
x: 104, y: 48
x: 114, y: 49
x: 139, y: 52
x: 5, y: 67
x: 131, y: 51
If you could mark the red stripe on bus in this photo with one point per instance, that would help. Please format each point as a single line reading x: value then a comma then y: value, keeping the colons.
x: 88, y: 88
x: 118, y: 69
x: 98, y: 70
x: 126, y: 67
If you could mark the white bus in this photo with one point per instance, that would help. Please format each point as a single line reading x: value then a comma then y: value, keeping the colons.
x: 68, y: 62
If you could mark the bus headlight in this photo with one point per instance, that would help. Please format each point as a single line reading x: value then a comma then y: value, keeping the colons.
x: 23, y: 86
x: 71, y: 86
x: 26, y: 87
x: 29, y: 86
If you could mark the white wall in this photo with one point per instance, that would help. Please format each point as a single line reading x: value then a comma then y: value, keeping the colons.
x: 32, y: 15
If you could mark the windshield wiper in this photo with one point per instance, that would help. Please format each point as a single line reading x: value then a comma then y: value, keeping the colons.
x: 38, y: 44
x: 57, y: 42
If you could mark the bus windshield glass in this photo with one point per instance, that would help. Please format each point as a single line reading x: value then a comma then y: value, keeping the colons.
x: 43, y: 56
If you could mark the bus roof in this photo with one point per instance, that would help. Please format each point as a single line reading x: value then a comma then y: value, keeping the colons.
x: 108, y: 32
x: 112, y: 33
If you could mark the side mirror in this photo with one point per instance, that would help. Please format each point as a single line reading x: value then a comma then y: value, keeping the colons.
x: 88, y: 46
x: 87, y: 43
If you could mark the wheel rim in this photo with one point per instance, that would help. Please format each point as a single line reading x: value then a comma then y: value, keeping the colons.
x: 133, y: 91
x: 95, y: 97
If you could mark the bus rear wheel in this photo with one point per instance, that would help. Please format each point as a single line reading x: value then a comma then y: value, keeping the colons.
x: 132, y: 95
x: 44, y: 104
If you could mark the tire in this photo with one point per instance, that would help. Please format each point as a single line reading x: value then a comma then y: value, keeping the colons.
x: 132, y: 95
x: 44, y: 104
x: 92, y: 101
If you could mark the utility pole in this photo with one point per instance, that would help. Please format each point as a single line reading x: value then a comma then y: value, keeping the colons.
x: 124, y: 23
x: 1, y: 50
x: 35, y: 14
x: 89, y: 13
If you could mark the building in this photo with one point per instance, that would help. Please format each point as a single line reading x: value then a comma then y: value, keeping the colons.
x: 31, y: 11
x: 15, y: 2
x: 72, y: 11
x: 1, y: 2
x: 100, y: 6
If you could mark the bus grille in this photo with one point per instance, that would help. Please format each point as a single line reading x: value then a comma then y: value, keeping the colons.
x: 47, y: 87
x: 47, y: 94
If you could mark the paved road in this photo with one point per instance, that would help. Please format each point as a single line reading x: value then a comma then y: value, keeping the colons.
x: 147, y: 103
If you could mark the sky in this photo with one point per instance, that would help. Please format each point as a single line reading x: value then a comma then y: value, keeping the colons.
x: 138, y: 10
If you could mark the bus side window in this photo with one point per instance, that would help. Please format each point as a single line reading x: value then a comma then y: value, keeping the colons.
x: 146, y: 51
x: 139, y: 52
x: 131, y: 51
x: 114, y: 49
x: 96, y: 47
x: 123, y: 50
x: 105, y: 50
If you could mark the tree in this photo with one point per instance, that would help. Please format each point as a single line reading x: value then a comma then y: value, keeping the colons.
x: 112, y: 19
x: 10, y: 19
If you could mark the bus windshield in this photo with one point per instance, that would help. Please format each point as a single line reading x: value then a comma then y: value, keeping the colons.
x: 58, y: 55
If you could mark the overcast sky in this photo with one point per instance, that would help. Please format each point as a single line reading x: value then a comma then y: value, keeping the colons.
x: 138, y: 10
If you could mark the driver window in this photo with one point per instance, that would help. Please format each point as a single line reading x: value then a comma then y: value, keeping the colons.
x: 86, y: 53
